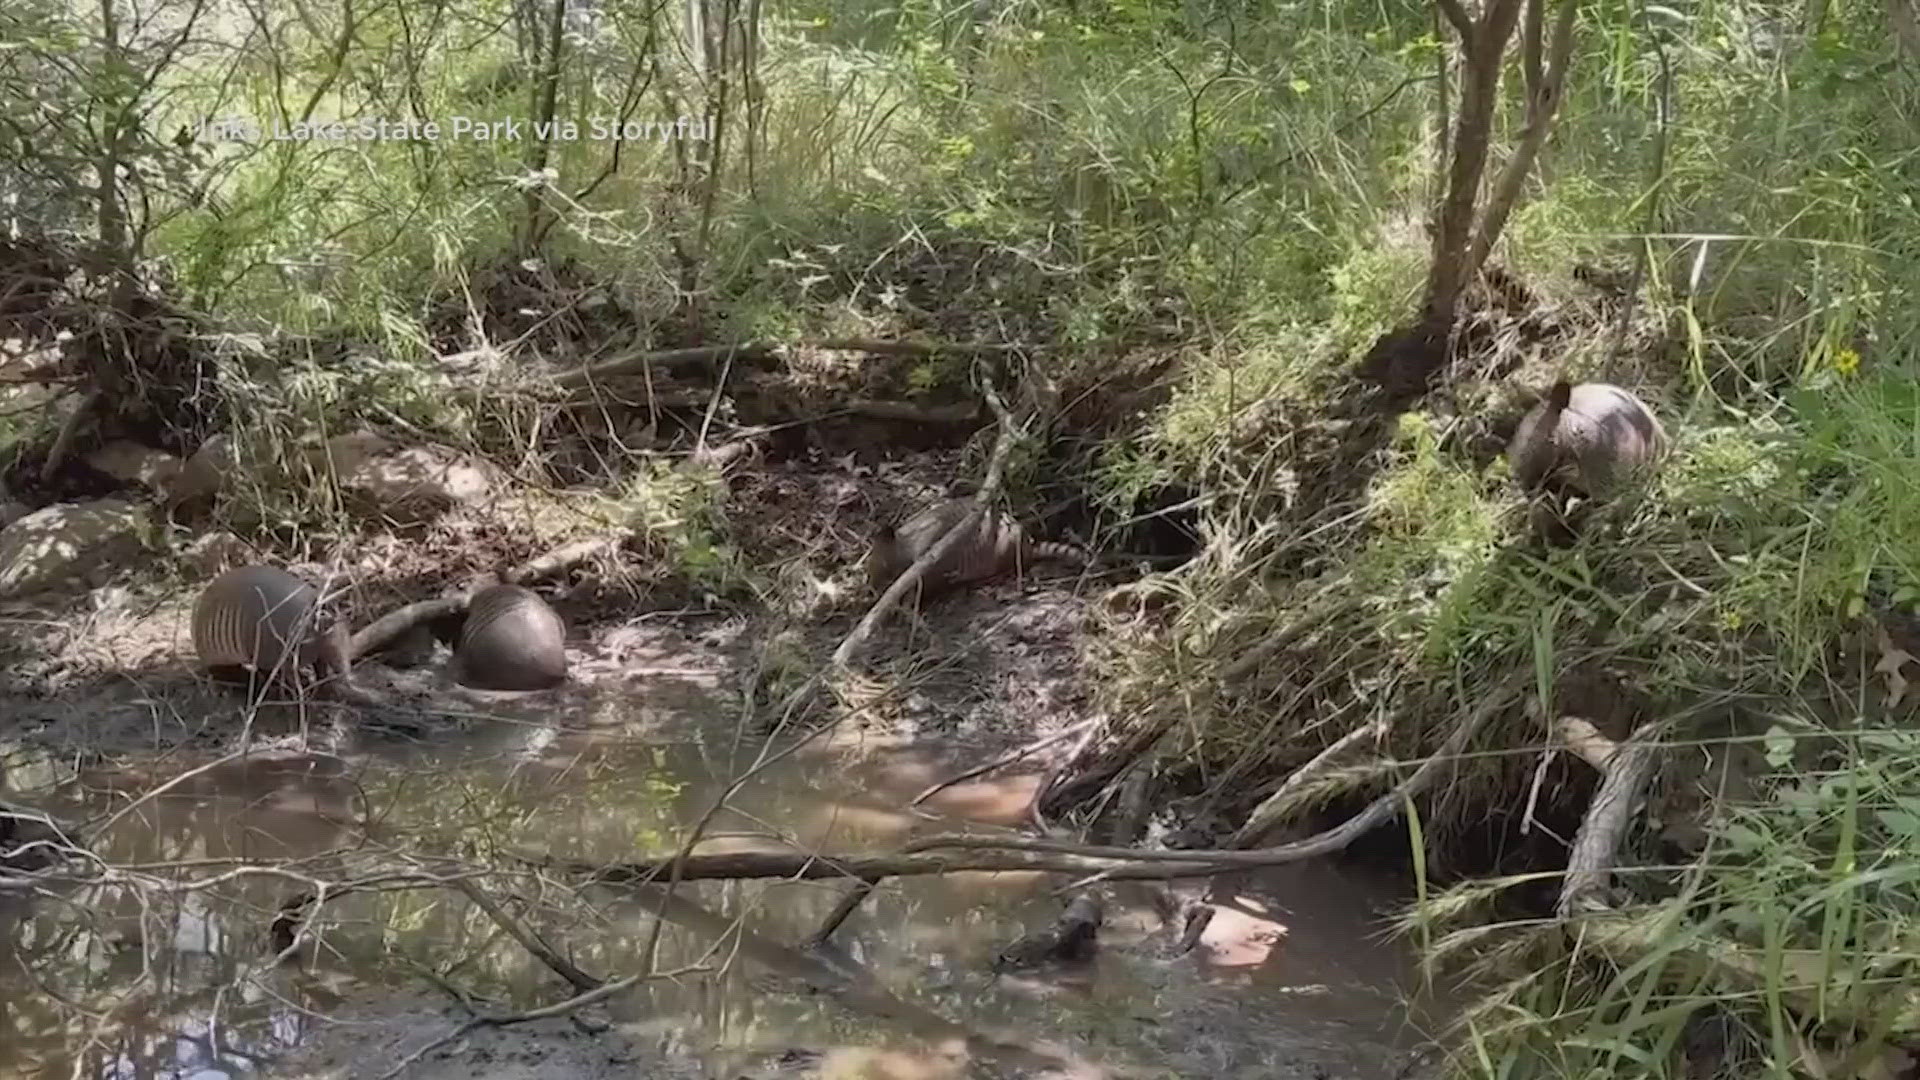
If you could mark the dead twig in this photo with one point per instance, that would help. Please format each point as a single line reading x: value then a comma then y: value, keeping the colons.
x: 1004, y: 759
x: 973, y: 852
x: 1267, y: 814
x: 528, y: 939
x: 1010, y: 429
x: 558, y: 1008
x: 755, y: 351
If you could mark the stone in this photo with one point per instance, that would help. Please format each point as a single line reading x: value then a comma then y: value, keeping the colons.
x: 205, y: 473
x: 418, y: 483
x: 62, y: 544
x: 131, y: 463
x: 217, y: 552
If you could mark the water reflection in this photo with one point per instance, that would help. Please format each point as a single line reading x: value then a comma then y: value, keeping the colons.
x: 179, y: 984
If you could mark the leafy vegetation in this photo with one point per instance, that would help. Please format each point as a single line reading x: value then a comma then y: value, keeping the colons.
x: 1232, y: 199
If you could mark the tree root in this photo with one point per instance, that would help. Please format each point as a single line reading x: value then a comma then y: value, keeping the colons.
x: 69, y: 431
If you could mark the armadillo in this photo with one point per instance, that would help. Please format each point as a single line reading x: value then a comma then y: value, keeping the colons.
x: 995, y: 545
x: 1593, y: 438
x: 265, y: 619
x: 511, y: 640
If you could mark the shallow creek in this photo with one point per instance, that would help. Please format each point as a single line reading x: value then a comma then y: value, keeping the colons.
x: 1291, y: 979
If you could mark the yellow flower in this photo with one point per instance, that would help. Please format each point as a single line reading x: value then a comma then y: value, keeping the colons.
x: 1846, y: 361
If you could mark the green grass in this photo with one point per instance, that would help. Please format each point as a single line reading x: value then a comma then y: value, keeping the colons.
x: 1245, y: 191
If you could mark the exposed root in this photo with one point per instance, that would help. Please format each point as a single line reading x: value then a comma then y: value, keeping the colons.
x: 69, y: 431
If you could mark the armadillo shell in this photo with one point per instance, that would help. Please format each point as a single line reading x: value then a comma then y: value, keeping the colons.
x: 511, y: 641
x: 253, y: 617
x: 1598, y: 442
x: 982, y: 554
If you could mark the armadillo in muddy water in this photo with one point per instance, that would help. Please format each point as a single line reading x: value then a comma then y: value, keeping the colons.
x: 1593, y: 437
x: 995, y: 545
x: 263, y: 618
x: 511, y: 640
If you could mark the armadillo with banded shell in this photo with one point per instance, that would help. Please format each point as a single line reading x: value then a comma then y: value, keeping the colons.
x: 511, y: 640
x: 267, y: 620
x: 1593, y: 438
x: 995, y: 545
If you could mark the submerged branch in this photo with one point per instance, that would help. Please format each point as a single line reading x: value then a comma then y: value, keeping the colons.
x: 950, y: 853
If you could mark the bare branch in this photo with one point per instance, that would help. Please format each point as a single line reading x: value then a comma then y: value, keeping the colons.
x: 1462, y: 23
x: 1004, y: 759
x: 1626, y: 767
x: 1541, y: 106
x: 974, y: 852
x: 1264, y: 816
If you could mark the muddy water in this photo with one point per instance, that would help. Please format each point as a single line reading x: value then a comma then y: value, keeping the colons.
x: 1290, y: 979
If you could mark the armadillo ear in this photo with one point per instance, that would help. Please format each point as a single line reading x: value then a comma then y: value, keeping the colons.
x: 1560, y: 393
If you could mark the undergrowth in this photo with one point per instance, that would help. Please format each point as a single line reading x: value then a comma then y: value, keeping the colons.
x: 1234, y: 203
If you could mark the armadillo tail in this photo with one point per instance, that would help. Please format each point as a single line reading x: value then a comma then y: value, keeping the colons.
x: 1039, y: 550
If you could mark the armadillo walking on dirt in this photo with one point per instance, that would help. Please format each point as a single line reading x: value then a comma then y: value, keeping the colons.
x: 995, y: 545
x: 1593, y: 438
x: 511, y: 640
x: 267, y: 620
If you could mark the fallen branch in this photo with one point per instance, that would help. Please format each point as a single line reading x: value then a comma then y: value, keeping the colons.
x: 704, y: 356
x: 1267, y: 814
x: 707, y: 355
x: 559, y: 1008
x: 1000, y: 853
x: 527, y: 937
x: 1625, y: 768
x: 914, y: 348
x: 1070, y: 938
x: 989, y: 488
x: 391, y: 626
x: 1004, y: 759
x: 560, y: 559
x: 1055, y: 797
x: 908, y: 411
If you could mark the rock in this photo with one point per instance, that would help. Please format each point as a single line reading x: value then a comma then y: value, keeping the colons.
x: 59, y: 544
x: 11, y: 512
x: 346, y: 454
x: 131, y: 463
x: 205, y: 473
x: 415, y: 484
x: 215, y: 552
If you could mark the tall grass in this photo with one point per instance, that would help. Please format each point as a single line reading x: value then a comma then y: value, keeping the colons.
x: 1245, y: 187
